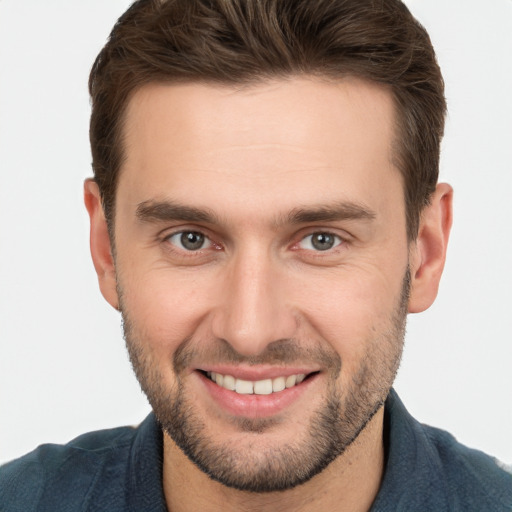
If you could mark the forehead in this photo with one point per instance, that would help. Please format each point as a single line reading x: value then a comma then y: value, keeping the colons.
x: 301, y: 138
x: 290, y: 110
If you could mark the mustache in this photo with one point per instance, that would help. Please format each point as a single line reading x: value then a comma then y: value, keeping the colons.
x: 191, y: 353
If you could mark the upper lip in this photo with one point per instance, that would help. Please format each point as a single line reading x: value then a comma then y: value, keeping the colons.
x: 257, y: 373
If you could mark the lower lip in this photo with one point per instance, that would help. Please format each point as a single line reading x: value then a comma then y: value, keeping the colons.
x: 255, y: 406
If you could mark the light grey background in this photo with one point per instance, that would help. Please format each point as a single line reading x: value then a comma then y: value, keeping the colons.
x: 63, y: 367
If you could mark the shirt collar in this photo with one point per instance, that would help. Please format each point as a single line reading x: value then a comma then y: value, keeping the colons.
x: 412, y: 469
x: 145, y: 483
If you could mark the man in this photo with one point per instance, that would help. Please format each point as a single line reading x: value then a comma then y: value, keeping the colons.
x: 264, y: 213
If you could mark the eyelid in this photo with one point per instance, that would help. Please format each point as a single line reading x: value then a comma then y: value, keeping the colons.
x: 341, y: 239
x: 207, y: 243
x: 165, y: 237
x: 166, y: 233
x: 337, y: 242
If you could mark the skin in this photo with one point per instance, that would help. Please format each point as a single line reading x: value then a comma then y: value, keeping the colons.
x: 251, y: 158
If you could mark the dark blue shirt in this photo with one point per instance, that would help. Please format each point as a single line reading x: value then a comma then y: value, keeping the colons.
x: 121, y: 470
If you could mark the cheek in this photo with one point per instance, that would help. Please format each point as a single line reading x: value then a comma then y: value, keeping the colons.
x: 165, y: 307
x: 351, y: 311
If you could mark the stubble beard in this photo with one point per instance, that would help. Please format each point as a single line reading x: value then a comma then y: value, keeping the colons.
x: 334, y: 426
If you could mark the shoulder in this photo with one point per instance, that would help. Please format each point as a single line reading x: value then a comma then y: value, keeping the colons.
x: 428, y: 469
x: 476, y: 478
x: 56, y: 474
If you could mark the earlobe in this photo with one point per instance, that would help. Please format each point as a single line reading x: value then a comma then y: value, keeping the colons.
x: 428, y: 253
x: 100, y: 244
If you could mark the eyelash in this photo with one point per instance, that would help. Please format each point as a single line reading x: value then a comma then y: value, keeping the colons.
x: 338, y: 240
x: 180, y: 234
x: 199, y: 256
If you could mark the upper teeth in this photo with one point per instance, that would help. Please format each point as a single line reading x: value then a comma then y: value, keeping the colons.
x: 258, y: 387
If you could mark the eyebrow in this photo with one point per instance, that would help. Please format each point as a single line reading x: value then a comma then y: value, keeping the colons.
x: 344, y: 210
x: 164, y: 211
x: 161, y: 211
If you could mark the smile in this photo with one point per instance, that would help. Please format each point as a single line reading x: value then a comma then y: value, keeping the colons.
x: 259, y: 387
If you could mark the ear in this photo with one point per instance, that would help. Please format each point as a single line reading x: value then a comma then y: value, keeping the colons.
x: 101, y: 250
x: 428, y: 253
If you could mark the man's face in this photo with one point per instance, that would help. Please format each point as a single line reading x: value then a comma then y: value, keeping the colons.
x: 260, y: 241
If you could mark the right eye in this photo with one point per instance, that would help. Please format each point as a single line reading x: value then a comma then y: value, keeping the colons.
x: 190, y: 240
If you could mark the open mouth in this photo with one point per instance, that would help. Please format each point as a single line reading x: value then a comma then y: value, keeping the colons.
x: 259, y: 387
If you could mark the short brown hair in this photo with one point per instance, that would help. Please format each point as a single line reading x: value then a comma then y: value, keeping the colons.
x: 241, y: 41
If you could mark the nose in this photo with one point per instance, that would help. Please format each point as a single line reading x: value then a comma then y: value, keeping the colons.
x: 253, y: 308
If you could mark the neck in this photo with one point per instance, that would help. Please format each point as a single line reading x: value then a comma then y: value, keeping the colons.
x: 350, y: 482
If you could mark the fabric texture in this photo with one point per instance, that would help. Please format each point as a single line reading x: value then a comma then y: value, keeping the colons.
x: 121, y: 470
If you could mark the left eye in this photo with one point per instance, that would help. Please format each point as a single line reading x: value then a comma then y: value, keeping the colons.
x: 320, y: 241
x: 190, y: 240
